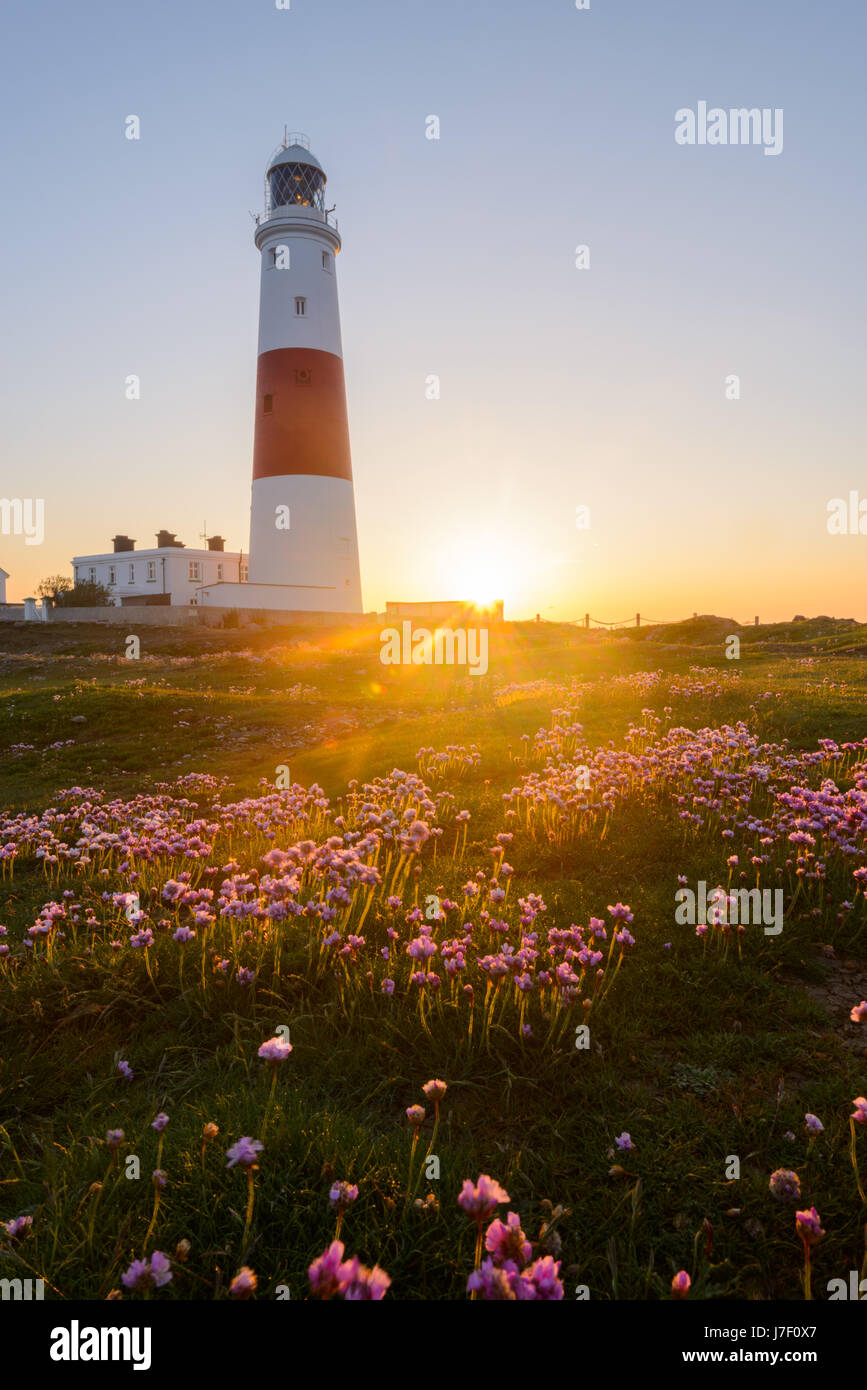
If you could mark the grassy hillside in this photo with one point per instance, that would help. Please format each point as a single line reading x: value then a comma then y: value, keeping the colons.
x: 118, y: 777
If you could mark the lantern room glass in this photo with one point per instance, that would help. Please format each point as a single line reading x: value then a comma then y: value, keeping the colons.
x: 297, y: 183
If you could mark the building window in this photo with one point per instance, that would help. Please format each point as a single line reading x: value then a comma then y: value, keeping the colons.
x: 132, y: 574
x: 219, y: 573
x: 242, y: 571
x: 300, y: 306
x: 195, y: 571
x: 194, y: 601
x: 267, y: 404
x: 91, y: 574
x: 112, y: 574
x: 326, y: 260
x: 152, y: 571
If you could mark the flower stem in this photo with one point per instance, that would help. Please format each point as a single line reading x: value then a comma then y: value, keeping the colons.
x: 853, y: 1151
x: 269, y: 1106
x: 808, y: 1295
x: 153, y: 1217
x: 251, y: 1197
x: 409, y: 1174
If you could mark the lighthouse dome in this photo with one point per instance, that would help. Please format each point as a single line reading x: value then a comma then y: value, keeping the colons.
x: 297, y: 152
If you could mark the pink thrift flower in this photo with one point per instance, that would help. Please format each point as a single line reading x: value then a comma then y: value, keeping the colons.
x: 244, y: 1283
x: 808, y: 1227
x: 143, y: 1274
x: 324, y: 1271
x: 860, y: 1115
x: 495, y: 1283
x: 160, y: 1122
x: 434, y: 1090
x: 342, y: 1195
x: 680, y: 1284
x: 624, y: 1143
x: 621, y: 912
x: 245, y: 1152
x: 481, y: 1201
x: 859, y: 1013
x: 275, y: 1049
x: 541, y: 1281
x: 813, y: 1124
x: 137, y: 1276
x: 506, y: 1241
x: 415, y: 1114
x: 18, y: 1227
x: 785, y: 1185
x: 359, y: 1284
x: 160, y: 1269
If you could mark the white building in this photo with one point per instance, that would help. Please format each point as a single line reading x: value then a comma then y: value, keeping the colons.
x: 170, y: 573
x: 3, y: 577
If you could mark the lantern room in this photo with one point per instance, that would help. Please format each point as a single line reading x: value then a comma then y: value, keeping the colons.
x: 295, y: 177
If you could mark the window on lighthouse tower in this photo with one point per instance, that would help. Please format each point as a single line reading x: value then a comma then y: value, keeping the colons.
x: 300, y: 306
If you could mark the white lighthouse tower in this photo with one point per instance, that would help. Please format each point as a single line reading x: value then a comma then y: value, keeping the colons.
x: 303, y: 541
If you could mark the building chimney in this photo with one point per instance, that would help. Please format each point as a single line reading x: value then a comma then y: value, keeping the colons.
x: 216, y: 542
x: 167, y: 540
x: 122, y: 543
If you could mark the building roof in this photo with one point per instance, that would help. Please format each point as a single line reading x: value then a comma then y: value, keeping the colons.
x: 184, y: 552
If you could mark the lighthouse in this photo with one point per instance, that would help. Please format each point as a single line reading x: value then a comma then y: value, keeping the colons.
x: 303, y: 542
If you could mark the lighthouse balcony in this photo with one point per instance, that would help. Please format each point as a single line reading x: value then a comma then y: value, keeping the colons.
x: 304, y: 214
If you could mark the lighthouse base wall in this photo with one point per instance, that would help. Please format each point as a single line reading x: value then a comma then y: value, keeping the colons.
x: 303, y: 539
x: 196, y: 615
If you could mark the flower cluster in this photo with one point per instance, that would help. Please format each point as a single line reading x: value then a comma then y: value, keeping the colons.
x: 331, y: 1276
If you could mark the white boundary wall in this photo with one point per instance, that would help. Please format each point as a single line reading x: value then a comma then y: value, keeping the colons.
x: 140, y: 615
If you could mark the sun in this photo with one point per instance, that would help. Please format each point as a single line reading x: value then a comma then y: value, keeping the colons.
x: 481, y: 577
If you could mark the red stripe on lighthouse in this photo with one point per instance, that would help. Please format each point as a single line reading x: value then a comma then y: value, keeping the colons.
x: 301, y: 422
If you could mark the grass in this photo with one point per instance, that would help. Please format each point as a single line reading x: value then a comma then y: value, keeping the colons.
x: 701, y: 1057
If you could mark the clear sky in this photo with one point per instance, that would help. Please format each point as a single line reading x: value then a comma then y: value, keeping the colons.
x: 560, y: 387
